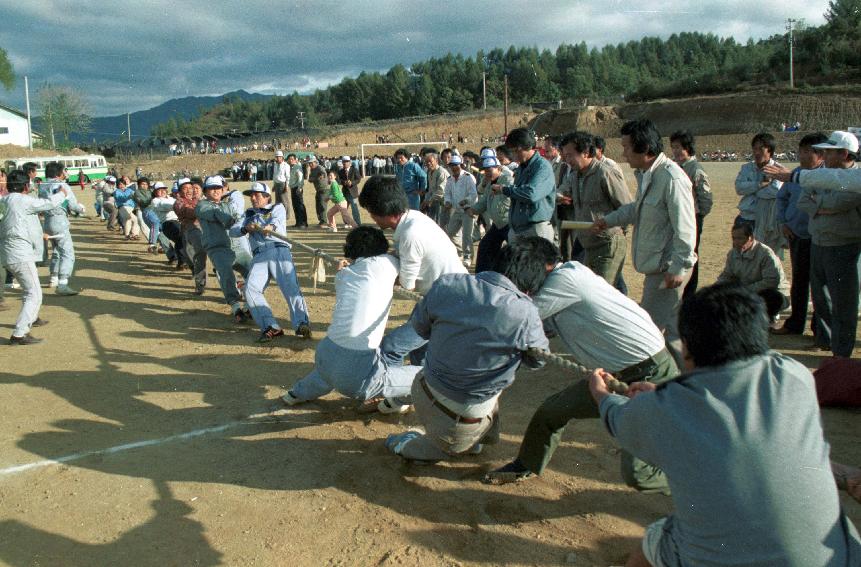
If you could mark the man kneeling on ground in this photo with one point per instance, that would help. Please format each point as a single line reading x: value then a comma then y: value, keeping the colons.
x: 740, y: 439
x: 349, y: 359
x: 479, y: 329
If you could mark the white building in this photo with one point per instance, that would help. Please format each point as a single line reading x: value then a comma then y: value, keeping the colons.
x: 13, y: 127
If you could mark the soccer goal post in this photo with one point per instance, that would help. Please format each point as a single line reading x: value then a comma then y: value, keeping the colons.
x: 398, y: 145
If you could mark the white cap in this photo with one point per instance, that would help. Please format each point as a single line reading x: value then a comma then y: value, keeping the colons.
x: 310, y: 158
x: 213, y: 182
x: 279, y: 153
x: 840, y: 140
x: 159, y: 185
x: 258, y: 187
x: 110, y: 179
x: 489, y: 162
x: 488, y: 152
x: 182, y: 181
x: 455, y: 160
x: 346, y: 158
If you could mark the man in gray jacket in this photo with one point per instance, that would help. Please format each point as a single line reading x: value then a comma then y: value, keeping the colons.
x: 664, y: 226
x: 835, y: 217
x: 596, y: 189
x: 216, y: 217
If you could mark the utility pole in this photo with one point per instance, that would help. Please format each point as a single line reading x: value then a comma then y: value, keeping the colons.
x: 505, y: 103
x: 129, y: 125
x: 789, y: 23
x: 484, y: 88
x: 301, y: 117
x: 29, y: 123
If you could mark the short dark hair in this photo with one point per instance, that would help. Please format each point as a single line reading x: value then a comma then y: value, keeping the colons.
x: 402, y: 152
x: 471, y: 155
x: 810, y: 140
x: 364, y: 242
x: 745, y: 227
x: 553, y: 141
x: 445, y: 151
x: 17, y: 181
x: 197, y: 181
x: 521, y: 138
x: 504, y: 151
x: 427, y: 150
x: 722, y: 323
x: 599, y: 142
x: 645, y: 138
x: 525, y: 262
x: 583, y: 142
x: 54, y: 169
x: 143, y: 180
x: 685, y: 139
x: 767, y: 141
x: 291, y: 156
x: 28, y: 167
x: 383, y: 196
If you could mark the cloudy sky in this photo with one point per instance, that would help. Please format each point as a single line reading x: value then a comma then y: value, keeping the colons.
x: 127, y: 56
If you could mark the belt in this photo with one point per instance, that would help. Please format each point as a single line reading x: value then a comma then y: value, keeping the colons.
x: 445, y: 410
x: 636, y: 371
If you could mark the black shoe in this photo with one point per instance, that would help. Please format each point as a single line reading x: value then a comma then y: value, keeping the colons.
x: 38, y: 323
x: 512, y: 472
x: 25, y: 340
x: 304, y: 331
x: 270, y: 334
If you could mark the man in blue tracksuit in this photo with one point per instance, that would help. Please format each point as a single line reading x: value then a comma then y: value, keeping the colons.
x: 412, y: 178
x: 216, y: 217
x: 272, y: 258
x: 533, y: 195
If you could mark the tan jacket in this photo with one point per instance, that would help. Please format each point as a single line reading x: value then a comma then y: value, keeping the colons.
x: 596, y: 192
x: 663, y: 219
x: 757, y: 268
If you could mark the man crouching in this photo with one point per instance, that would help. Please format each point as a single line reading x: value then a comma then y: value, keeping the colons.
x: 479, y: 330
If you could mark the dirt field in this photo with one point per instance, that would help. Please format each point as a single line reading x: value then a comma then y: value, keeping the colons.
x: 141, y: 396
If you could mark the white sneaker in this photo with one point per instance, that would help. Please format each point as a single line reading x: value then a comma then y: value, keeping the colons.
x: 13, y: 285
x: 53, y: 282
x: 389, y: 406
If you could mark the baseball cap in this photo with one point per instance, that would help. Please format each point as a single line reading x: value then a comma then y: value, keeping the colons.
x: 311, y: 158
x: 839, y: 140
x: 258, y: 187
x: 182, y: 181
x: 158, y: 185
x: 110, y: 179
x: 488, y: 152
x: 489, y: 162
x: 455, y: 160
x: 346, y: 158
x: 279, y: 153
x: 213, y: 182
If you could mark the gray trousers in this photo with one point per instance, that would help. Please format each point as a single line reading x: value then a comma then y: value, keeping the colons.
x: 195, y: 253
x: 542, y: 229
x: 834, y: 284
x: 444, y: 436
x: 62, y: 257
x: 662, y: 305
x: 459, y: 221
x: 28, y: 277
x: 223, y: 260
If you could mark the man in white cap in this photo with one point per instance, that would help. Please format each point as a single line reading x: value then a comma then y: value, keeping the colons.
x: 272, y: 258
x: 495, y: 206
x: 349, y: 178
x: 318, y: 177
x: 460, y: 194
x: 184, y: 207
x: 280, y: 178
x: 835, y: 217
x: 216, y: 217
x: 109, y: 206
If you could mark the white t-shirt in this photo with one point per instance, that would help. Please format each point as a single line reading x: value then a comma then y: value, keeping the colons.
x: 425, y: 252
x: 363, y: 297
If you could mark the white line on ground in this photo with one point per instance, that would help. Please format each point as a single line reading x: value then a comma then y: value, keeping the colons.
x: 253, y: 419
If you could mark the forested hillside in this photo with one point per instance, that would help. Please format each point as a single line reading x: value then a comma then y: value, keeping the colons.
x: 682, y: 64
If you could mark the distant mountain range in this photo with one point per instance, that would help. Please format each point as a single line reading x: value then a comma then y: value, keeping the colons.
x: 110, y: 127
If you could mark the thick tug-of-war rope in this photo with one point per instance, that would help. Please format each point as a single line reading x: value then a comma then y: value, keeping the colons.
x: 318, y: 274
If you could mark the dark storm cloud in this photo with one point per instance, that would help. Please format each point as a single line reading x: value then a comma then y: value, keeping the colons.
x: 127, y: 56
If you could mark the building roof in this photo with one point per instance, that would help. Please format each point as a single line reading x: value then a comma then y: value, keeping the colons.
x: 12, y: 110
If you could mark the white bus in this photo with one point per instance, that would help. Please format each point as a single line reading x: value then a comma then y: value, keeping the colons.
x: 93, y: 166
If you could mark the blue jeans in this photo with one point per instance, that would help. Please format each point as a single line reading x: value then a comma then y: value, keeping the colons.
x: 62, y: 257
x: 223, y: 260
x: 152, y: 221
x: 401, y: 342
x: 357, y: 374
x: 415, y: 201
x: 354, y: 207
x: 276, y: 262
x: 834, y: 283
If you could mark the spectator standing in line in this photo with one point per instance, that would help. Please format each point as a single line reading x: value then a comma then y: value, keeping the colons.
x: 684, y: 154
x: 349, y: 177
x: 280, y: 178
x: 794, y: 223
x: 319, y: 179
x: 412, y: 178
x: 835, y: 218
x: 297, y: 191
